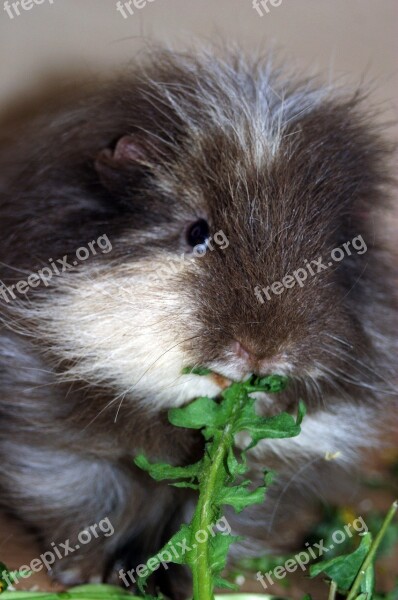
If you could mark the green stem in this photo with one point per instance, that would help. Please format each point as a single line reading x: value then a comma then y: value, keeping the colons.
x: 205, y: 515
x: 332, y: 591
x: 372, y: 552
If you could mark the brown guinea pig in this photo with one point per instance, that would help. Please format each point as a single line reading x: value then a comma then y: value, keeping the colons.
x: 196, y: 210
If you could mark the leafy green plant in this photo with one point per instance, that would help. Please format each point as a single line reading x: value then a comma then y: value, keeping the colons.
x: 352, y: 575
x: 219, y: 479
x: 219, y: 475
x: 82, y: 592
x: 334, y: 518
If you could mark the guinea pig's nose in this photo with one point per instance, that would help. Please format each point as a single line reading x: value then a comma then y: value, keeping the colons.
x: 242, y: 352
x: 247, y: 354
x: 253, y: 360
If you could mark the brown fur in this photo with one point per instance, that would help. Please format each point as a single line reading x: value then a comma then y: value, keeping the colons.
x: 288, y: 171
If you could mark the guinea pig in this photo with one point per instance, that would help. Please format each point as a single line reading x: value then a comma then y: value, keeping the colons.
x: 199, y: 209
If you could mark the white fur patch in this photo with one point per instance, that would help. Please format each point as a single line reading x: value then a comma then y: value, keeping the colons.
x: 124, y: 327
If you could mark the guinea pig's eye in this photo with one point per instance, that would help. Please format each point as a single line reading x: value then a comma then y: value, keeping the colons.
x: 198, y: 233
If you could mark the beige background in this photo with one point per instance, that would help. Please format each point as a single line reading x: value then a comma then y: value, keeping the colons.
x: 352, y: 38
x: 337, y: 37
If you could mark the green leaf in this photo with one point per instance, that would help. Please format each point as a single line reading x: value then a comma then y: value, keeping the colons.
x: 218, y: 550
x: 83, y: 592
x: 343, y: 569
x: 283, y: 425
x: 271, y: 383
x: 239, y: 496
x: 186, y: 484
x: 183, y: 535
x: 234, y: 466
x: 269, y: 477
x: 224, y: 584
x: 24, y: 595
x: 99, y: 590
x: 161, y: 471
x: 202, y: 412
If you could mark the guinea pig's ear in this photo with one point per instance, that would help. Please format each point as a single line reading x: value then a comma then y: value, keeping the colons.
x: 123, y: 164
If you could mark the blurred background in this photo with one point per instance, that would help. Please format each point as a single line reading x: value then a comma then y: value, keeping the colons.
x: 343, y: 40
x: 354, y: 38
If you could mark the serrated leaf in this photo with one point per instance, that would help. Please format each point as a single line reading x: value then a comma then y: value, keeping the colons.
x: 269, y: 477
x: 224, y: 584
x: 234, y: 466
x: 183, y: 535
x: 203, y: 412
x: 239, y: 496
x: 185, y: 484
x: 218, y: 551
x: 279, y: 426
x: 161, y: 471
x: 343, y: 569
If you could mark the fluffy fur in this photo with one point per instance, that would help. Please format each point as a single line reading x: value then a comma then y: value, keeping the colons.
x: 287, y: 170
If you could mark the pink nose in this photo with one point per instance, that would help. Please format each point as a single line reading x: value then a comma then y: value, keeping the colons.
x: 242, y: 352
x: 252, y: 360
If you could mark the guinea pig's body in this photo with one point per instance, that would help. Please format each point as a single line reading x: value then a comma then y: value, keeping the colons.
x: 171, y: 200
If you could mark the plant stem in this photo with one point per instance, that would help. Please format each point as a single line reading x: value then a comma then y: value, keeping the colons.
x: 372, y: 552
x: 332, y: 591
x: 205, y: 514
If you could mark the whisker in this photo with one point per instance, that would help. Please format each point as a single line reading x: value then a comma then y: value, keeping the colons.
x: 356, y: 359
x: 344, y: 376
x: 129, y: 390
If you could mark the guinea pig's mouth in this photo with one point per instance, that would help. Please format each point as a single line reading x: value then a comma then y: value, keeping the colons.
x: 226, y: 373
x: 240, y: 361
x: 220, y: 380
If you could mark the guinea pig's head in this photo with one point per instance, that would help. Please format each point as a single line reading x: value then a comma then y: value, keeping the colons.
x: 244, y: 238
